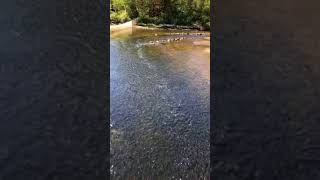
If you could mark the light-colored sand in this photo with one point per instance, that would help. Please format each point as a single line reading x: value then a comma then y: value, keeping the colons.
x: 121, y: 26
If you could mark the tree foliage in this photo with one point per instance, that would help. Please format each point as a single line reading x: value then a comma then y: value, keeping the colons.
x: 177, y: 12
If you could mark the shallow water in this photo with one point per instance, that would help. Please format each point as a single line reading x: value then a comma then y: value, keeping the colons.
x: 159, y: 105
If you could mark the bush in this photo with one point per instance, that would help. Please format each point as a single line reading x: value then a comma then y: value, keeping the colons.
x: 206, y: 22
x: 132, y: 10
x: 119, y: 17
x: 175, y: 12
x: 147, y: 19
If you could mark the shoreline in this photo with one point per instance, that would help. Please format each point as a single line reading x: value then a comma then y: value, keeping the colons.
x: 133, y: 23
x: 171, y: 26
x: 122, y: 26
x: 130, y: 25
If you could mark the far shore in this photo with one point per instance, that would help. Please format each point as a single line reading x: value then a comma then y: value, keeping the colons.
x: 133, y: 23
x: 127, y: 27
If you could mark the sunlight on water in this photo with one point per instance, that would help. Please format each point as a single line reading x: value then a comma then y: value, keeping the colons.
x: 159, y: 104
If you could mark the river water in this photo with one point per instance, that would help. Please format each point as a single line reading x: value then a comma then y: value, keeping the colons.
x: 159, y: 104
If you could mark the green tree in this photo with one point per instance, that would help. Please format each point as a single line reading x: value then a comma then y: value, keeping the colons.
x: 179, y: 12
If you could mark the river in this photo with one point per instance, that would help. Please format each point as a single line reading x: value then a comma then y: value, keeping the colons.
x: 159, y: 104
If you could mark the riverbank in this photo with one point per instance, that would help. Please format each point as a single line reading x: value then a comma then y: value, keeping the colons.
x: 134, y: 23
x: 178, y: 33
x: 122, y: 26
x: 171, y: 26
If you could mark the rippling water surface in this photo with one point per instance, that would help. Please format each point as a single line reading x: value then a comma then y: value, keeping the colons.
x: 159, y: 104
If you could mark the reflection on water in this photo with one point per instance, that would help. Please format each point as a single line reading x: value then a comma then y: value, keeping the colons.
x: 159, y: 105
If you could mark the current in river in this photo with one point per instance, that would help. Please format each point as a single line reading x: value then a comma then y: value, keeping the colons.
x: 160, y: 104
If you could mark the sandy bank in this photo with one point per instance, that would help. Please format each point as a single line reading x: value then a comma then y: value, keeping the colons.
x: 123, y: 26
